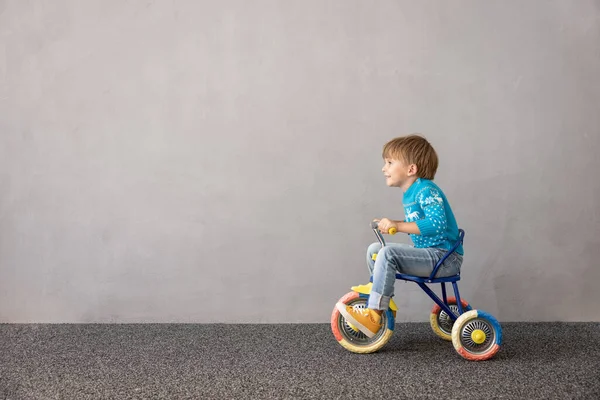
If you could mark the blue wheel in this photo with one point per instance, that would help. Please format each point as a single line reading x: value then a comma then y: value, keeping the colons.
x: 476, y: 335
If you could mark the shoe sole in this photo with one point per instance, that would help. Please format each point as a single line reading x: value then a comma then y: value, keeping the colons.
x: 341, y: 307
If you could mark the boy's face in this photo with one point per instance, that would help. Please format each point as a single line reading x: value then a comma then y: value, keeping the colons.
x: 397, y: 173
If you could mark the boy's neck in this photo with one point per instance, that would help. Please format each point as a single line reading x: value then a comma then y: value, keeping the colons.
x: 408, y: 183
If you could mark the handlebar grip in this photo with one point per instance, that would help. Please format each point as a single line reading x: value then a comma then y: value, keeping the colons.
x: 391, y: 231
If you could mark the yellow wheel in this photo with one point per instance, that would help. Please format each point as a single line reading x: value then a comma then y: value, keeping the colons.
x: 440, y: 322
x: 351, y: 338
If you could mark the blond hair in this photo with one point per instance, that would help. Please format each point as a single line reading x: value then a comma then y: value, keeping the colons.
x: 413, y: 149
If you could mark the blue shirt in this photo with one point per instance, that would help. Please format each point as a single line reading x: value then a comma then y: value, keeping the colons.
x: 425, y: 203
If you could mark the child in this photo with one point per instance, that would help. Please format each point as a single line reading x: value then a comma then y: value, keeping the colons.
x: 410, y: 163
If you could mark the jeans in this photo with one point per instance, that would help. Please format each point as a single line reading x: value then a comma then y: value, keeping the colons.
x: 404, y: 259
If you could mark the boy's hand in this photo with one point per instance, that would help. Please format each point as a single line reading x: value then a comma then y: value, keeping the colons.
x: 385, y: 224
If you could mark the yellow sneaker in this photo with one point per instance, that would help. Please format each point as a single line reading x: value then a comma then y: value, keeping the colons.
x: 366, y: 320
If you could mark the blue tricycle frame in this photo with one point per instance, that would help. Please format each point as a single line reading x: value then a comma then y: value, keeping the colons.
x: 475, y: 334
x: 422, y: 281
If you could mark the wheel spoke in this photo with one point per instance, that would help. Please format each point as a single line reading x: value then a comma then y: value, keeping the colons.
x: 469, y: 328
x: 444, y: 321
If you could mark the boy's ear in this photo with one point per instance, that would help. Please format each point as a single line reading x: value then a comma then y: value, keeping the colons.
x: 412, y: 169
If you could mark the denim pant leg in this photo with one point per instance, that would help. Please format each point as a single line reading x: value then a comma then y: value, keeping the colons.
x: 373, y: 249
x: 402, y: 258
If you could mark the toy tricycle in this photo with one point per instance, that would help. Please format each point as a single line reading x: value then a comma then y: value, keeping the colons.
x: 475, y: 334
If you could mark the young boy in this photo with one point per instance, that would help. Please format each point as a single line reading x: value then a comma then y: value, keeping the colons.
x: 410, y: 163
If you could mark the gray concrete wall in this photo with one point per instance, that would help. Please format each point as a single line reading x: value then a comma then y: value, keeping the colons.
x: 202, y: 161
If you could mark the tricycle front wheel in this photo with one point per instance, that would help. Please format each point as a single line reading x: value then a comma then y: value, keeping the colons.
x: 350, y: 337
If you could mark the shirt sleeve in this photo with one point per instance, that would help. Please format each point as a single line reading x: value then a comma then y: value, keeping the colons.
x: 432, y: 204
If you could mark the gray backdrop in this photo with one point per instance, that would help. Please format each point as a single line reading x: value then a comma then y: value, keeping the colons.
x: 202, y: 161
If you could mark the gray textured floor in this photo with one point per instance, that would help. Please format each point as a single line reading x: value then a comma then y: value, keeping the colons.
x: 538, y: 361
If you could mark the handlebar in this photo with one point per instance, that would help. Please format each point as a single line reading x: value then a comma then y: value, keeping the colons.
x: 375, y: 227
x: 391, y: 231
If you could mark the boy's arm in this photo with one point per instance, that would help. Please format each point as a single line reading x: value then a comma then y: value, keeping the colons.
x: 407, y: 227
x: 432, y: 204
